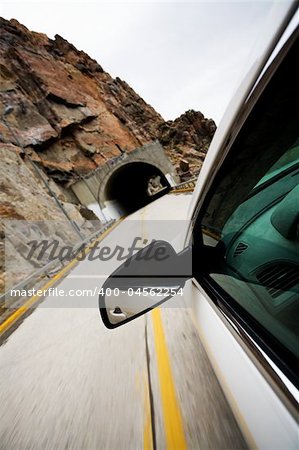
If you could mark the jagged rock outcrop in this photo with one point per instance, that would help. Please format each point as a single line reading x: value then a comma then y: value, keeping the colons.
x: 189, y: 136
x: 73, y: 114
x: 61, y: 110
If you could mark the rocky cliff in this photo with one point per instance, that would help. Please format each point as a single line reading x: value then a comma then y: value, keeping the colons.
x: 73, y: 116
x: 62, y: 116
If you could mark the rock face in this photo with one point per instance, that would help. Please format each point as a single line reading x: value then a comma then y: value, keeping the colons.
x: 187, y: 139
x: 73, y: 115
x: 61, y: 110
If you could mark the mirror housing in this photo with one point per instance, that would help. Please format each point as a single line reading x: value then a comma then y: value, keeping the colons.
x: 146, y: 280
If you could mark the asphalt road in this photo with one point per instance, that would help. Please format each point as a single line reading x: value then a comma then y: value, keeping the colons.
x: 69, y: 383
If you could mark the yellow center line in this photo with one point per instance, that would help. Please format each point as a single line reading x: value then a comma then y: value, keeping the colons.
x: 173, y: 423
x: 32, y: 300
x: 172, y: 418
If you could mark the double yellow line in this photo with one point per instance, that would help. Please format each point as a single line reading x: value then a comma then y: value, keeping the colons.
x: 172, y: 417
x: 173, y: 422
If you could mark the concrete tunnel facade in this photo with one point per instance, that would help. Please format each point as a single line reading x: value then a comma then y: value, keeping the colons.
x: 127, y: 183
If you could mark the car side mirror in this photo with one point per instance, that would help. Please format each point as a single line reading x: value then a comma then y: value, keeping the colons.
x: 147, y: 279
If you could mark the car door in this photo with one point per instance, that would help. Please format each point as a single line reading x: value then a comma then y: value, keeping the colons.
x: 246, y: 259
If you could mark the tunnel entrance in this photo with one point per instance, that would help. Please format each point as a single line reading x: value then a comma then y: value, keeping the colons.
x: 133, y: 186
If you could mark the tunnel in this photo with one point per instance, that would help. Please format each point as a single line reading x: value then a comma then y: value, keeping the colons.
x: 133, y: 186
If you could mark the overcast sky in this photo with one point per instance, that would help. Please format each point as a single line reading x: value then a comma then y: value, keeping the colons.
x: 177, y: 56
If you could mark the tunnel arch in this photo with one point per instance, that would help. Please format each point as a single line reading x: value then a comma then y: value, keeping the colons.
x: 130, y: 187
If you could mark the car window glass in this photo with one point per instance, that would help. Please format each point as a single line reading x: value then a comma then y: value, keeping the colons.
x: 252, y: 216
x: 288, y: 159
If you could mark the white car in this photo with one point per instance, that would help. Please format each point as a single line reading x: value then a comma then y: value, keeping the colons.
x: 243, y: 240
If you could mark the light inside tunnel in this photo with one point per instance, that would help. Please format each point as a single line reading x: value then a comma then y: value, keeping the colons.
x: 133, y: 186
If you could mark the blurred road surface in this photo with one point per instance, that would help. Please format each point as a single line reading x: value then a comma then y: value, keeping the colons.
x: 69, y: 383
